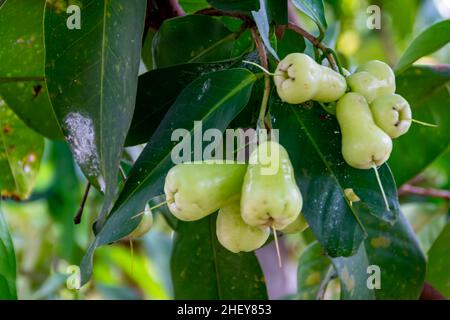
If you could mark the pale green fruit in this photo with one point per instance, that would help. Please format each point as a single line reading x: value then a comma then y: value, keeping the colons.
x: 299, y: 225
x: 299, y: 78
x: 364, y: 144
x: 195, y: 190
x: 372, y: 79
x: 270, y: 195
x: 144, y: 225
x: 331, y: 86
x: 234, y: 234
x: 392, y: 114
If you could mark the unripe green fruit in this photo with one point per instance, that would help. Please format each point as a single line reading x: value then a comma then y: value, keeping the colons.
x: 299, y: 225
x: 392, y: 114
x: 364, y: 145
x: 372, y: 79
x: 299, y: 78
x: 195, y: 190
x: 234, y: 234
x: 270, y: 195
x: 144, y: 225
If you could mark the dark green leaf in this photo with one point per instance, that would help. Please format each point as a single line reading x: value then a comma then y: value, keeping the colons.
x: 278, y: 11
x: 426, y: 89
x: 157, y: 90
x: 312, y: 268
x: 235, y: 5
x: 92, y: 78
x: 194, y: 38
x: 438, y: 271
x: 395, y: 250
x: 22, y: 55
x: 203, y: 269
x: 147, y: 56
x: 215, y: 99
x: 425, y: 43
x: 262, y: 20
x: 313, y: 9
x: 7, y: 263
x: 290, y: 42
x: 21, y: 151
x: 191, y: 6
x: 313, y: 140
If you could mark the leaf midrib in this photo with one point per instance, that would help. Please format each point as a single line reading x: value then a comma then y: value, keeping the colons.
x: 316, y: 147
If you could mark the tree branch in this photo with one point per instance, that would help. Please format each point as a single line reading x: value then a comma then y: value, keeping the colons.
x: 408, y: 189
x: 218, y: 13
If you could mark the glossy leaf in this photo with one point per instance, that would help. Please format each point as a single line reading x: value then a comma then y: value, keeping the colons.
x: 191, y: 6
x: 157, y: 90
x: 193, y: 38
x: 235, y: 5
x: 426, y: 89
x: 313, y: 9
x: 290, y: 42
x: 262, y: 20
x: 22, y: 56
x: 92, y: 78
x: 147, y: 56
x: 215, y: 99
x: 278, y: 11
x: 313, y: 140
x: 21, y: 151
x: 203, y: 269
x: 430, y: 40
x: 7, y: 263
x: 438, y: 271
x: 395, y: 251
x: 312, y: 269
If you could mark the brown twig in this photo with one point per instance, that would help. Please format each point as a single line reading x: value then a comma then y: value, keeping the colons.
x: 408, y: 189
x: 430, y: 293
x: 79, y: 214
x: 218, y: 13
x: 315, y: 42
x: 265, y: 63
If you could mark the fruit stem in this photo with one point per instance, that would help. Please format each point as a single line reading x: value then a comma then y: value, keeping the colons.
x: 424, y: 123
x: 276, y: 246
x: 260, y: 67
x: 374, y: 167
x: 149, y: 209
